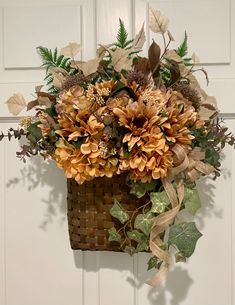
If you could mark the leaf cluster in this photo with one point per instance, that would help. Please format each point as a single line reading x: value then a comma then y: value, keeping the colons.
x: 133, y: 236
x: 13, y: 133
x: 169, y: 69
x: 53, y: 59
x: 182, y: 51
x: 212, y: 138
x: 122, y: 37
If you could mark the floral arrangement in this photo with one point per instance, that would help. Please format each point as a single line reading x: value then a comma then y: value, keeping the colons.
x: 122, y: 113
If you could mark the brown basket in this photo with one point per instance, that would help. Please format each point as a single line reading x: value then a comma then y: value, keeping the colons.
x: 88, y: 211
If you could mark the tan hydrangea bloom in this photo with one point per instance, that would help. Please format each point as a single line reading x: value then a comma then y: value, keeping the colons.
x: 84, y: 164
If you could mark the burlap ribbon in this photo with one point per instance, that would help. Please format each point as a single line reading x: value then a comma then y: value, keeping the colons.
x: 196, y: 167
x: 190, y: 165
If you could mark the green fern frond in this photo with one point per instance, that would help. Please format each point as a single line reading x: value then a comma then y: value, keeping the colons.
x: 53, y: 59
x: 122, y: 35
x: 55, y: 54
x: 128, y: 44
x: 166, y: 75
x: 183, y: 48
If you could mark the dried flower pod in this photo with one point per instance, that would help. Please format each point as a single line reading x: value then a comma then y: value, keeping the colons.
x: 137, y: 76
x: 73, y: 80
x: 189, y: 93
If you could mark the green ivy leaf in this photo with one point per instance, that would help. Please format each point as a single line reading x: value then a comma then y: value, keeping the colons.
x: 192, y: 200
x: 144, y: 222
x: 141, y: 239
x: 159, y: 201
x: 184, y: 236
x: 119, y: 212
x: 153, y: 262
x: 136, y: 236
x: 142, y: 246
x: 130, y: 250
x: 114, y: 235
x: 139, y: 189
x: 150, y: 186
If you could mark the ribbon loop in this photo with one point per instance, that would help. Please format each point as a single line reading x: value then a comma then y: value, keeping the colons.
x: 189, y: 164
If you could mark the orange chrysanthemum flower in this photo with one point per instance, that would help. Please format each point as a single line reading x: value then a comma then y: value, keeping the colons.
x: 181, y: 115
x: 138, y: 120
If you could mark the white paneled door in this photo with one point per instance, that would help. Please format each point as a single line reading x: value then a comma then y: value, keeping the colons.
x: 37, y: 266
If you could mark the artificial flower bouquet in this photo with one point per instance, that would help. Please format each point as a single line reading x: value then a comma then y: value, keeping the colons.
x: 127, y: 124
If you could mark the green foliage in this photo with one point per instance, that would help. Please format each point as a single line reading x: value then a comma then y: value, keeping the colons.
x: 52, y: 59
x: 142, y: 246
x: 182, y: 51
x: 166, y: 75
x: 15, y: 133
x: 51, y: 111
x: 183, y: 48
x: 130, y: 250
x: 139, y: 189
x: 117, y: 211
x: 35, y: 133
x: 122, y: 35
x: 184, y: 236
x: 144, y: 222
x: 202, y: 138
x: 114, y: 235
x: 212, y: 138
x: 136, y: 235
x: 153, y: 263
x: 192, y: 200
x: 140, y: 238
x: 160, y: 201
x: 121, y: 86
x: 212, y: 156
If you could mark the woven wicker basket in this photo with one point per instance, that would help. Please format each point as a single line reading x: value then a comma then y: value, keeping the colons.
x: 88, y: 211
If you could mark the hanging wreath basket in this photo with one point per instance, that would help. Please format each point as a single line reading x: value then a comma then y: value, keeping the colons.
x: 132, y: 135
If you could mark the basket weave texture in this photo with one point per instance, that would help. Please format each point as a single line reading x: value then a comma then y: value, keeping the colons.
x: 88, y: 211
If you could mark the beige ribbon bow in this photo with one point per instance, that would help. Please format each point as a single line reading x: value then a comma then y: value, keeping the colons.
x: 191, y: 165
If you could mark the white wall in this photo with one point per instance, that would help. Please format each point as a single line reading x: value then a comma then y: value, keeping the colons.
x: 37, y: 266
